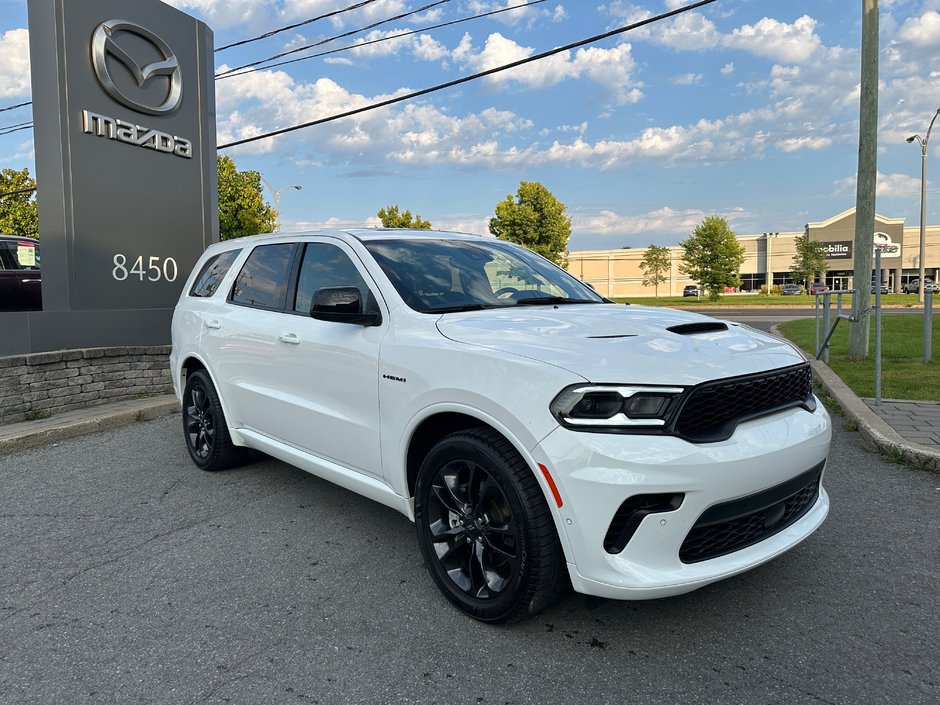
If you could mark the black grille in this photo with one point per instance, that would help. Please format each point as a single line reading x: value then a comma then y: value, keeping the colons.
x: 731, y: 526
x: 712, y: 410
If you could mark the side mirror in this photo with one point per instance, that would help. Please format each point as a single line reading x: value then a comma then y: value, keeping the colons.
x: 343, y: 304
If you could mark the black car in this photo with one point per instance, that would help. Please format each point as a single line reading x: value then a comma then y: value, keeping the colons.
x: 690, y: 290
x: 20, y: 282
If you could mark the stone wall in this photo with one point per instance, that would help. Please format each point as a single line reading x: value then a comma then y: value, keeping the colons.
x: 41, y: 384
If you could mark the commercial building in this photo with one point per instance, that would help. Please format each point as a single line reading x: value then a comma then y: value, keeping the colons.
x: 769, y: 256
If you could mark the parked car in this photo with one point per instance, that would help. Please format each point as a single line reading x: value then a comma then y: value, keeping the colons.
x: 913, y: 286
x: 535, y: 432
x: 818, y: 288
x: 20, y: 279
x: 883, y: 287
x: 690, y: 290
x: 791, y: 289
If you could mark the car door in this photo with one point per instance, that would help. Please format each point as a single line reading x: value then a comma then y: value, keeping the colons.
x: 328, y: 372
x: 240, y: 336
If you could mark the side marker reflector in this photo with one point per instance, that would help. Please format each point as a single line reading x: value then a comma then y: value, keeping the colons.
x: 551, y: 485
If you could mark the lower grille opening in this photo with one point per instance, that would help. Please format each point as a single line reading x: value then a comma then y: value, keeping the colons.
x: 632, y: 512
x: 731, y: 526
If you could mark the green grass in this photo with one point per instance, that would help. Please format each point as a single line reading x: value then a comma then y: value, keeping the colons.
x: 904, y: 374
x: 745, y: 300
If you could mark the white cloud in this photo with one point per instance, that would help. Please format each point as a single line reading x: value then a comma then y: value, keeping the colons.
x: 609, y: 67
x: 687, y: 79
x: 223, y: 13
x: 780, y: 41
x: 794, y: 144
x: 727, y: 69
x: 14, y: 70
x: 923, y: 31
x: 661, y: 220
x: 886, y: 185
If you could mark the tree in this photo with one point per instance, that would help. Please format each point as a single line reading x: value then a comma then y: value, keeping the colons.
x: 536, y: 220
x: 654, y: 264
x: 809, y: 260
x: 242, y: 208
x: 712, y: 256
x: 391, y: 218
x: 18, y: 212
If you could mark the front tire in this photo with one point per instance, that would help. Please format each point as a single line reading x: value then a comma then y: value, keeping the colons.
x: 485, y: 530
x: 204, y: 428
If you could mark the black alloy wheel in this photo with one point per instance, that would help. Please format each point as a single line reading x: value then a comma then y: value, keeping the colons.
x: 204, y: 427
x: 485, y: 529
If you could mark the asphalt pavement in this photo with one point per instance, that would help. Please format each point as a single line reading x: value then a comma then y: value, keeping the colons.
x: 129, y: 576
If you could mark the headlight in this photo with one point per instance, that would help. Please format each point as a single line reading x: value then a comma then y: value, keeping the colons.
x: 611, y: 406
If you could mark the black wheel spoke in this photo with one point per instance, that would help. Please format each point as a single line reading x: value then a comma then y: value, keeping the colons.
x: 503, y: 551
x: 446, y: 497
x: 472, y: 530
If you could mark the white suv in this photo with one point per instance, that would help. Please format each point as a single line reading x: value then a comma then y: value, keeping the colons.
x: 531, y: 428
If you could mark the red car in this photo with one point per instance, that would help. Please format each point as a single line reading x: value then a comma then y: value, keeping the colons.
x: 818, y: 288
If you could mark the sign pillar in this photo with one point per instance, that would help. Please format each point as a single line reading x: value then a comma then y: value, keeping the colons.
x: 124, y: 128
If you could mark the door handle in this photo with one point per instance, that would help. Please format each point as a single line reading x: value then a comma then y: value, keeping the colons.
x: 214, y: 325
x: 30, y: 281
x: 289, y: 338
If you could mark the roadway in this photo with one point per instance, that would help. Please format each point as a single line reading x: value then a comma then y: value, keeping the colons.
x: 127, y: 575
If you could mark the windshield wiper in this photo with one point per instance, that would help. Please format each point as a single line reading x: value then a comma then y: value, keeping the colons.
x: 465, y: 307
x: 543, y: 300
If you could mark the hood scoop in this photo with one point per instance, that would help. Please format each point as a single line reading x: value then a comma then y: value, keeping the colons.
x: 698, y: 327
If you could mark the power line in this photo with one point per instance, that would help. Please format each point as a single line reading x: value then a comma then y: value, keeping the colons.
x: 14, y: 107
x: 473, y: 77
x: 19, y: 124
x: 296, y: 25
x: 334, y: 38
x: 381, y: 39
x: 17, y: 129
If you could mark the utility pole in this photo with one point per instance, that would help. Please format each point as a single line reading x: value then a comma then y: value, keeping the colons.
x: 865, y: 185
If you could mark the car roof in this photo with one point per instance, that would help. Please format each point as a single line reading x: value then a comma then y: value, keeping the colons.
x: 18, y: 238
x: 361, y: 234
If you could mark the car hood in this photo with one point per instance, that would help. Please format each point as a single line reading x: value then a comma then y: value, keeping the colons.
x: 622, y: 344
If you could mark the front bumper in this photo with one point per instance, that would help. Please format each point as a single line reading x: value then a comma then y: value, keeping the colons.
x: 595, y: 473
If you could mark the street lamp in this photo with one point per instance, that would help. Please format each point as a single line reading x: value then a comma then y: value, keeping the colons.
x: 923, y: 199
x: 277, y: 200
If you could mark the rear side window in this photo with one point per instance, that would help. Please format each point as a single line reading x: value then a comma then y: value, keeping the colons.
x: 19, y: 255
x: 262, y: 283
x: 207, y: 283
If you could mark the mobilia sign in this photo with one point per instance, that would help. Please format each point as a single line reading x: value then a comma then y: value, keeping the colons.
x: 838, y: 250
x: 103, y: 48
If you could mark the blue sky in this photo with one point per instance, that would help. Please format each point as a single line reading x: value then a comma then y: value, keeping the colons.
x: 746, y: 108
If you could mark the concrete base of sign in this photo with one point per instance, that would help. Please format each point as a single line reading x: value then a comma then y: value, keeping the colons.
x: 43, y: 331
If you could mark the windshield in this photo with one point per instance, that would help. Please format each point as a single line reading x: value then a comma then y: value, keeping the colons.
x: 441, y: 276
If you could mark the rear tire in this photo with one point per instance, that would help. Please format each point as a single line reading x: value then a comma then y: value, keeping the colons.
x: 204, y: 428
x: 485, y: 530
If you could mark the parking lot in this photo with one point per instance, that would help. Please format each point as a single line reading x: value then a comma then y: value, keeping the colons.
x: 126, y: 575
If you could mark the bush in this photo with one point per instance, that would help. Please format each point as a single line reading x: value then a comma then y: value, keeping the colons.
x: 772, y: 291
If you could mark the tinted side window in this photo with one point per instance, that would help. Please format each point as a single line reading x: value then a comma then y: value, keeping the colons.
x: 262, y: 283
x: 325, y: 266
x: 207, y: 283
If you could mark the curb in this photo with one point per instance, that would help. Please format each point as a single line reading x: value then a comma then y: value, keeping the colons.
x: 31, y: 434
x: 875, y: 431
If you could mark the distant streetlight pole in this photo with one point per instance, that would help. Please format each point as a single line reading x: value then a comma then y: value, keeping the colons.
x: 277, y: 200
x: 923, y: 200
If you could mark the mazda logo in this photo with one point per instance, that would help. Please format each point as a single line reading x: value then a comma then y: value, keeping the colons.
x: 103, y: 46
